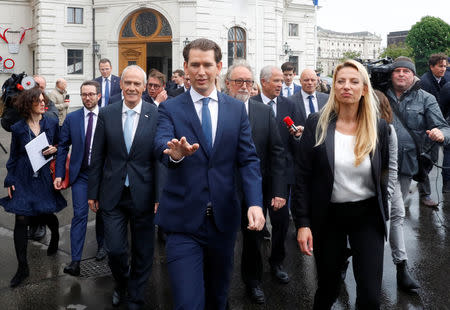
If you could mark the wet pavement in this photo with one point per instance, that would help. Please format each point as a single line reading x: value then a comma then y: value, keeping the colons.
x: 427, y: 242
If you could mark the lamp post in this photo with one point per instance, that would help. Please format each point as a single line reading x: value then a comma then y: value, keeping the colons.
x: 186, y: 42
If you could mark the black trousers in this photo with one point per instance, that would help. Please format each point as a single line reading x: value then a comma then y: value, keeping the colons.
x: 251, y: 260
x: 360, y: 222
x: 116, y: 221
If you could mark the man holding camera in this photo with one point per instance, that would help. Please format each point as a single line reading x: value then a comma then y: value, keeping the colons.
x: 421, y: 114
x: 417, y: 120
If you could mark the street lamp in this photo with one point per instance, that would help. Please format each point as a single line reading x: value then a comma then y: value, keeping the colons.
x: 96, y: 48
x: 186, y: 42
x: 287, y: 50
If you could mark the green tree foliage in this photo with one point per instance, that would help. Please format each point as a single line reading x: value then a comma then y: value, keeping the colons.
x: 428, y: 36
x: 396, y: 50
x: 350, y: 55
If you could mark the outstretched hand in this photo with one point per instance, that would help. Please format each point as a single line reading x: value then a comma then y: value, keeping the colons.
x: 177, y: 149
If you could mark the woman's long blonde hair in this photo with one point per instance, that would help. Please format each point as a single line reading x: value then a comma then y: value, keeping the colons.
x: 367, y: 115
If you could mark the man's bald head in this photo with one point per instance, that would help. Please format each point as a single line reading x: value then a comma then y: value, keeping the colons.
x: 308, y: 79
x: 40, y: 80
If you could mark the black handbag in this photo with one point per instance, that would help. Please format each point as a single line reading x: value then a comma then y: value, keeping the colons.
x: 424, y: 160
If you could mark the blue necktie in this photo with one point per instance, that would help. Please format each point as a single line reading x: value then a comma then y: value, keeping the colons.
x: 289, y: 91
x: 106, y: 92
x: 206, y: 122
x: 271, y: 103
x: 311, y: 104
x: 128, y: 135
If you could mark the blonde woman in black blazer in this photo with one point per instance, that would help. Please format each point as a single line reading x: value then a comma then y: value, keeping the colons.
x: 341, y: 188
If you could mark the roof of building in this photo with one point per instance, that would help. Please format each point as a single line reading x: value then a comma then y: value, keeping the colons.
x: 358, y: 34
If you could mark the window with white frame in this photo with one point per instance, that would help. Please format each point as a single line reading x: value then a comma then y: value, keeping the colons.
x: 293, y: 30
x: 74, y: 61
x: 74, y: 15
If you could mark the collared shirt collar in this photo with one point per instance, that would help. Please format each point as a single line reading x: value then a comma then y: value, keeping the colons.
x: 305, y: 94
x: 108, y: 78
x: 136, y: 109
x: 86, y: 111
x: 266, y: 99
x: 196, y: 96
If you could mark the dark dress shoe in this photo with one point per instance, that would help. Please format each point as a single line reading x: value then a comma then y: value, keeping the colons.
x: 280, y: 274
x: 101, y: 254
x: 39, y: 232
x: 21, y: 274
x: 405, y: 281
x: 73, y: 269
x: 256, y: 294
x: 118, y: 296
x: 53, y: 245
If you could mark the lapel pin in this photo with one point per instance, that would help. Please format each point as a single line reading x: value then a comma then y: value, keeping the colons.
x: 146, y: 115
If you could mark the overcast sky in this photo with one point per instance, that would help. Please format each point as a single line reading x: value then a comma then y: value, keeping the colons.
x: 378, y: 16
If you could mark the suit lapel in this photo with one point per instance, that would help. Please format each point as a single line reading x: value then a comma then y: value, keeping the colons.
x: 222, y: 116
x: 251, y: 113
x: 117, y: 126
x: 195, y: 121
x: 302, y: 109
x: 82, y: 131
x: 329, y: 144
x: 144, y: 118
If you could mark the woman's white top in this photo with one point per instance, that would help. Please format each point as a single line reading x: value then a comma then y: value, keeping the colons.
x: 350, y: 183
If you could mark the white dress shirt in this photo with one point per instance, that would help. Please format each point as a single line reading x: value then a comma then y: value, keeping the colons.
x: 213, y: 108
x: 135, y: 117
x: 285, y: 89
x: 94, y: 125
x: 306, y: 102
x: 103, y: 89
x: 350, y: 183
x: 266, y: 100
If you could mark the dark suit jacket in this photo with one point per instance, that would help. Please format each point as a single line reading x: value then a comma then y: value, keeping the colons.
x: 322, y: 99
x: 117, y: 98
x: 72, y: 133
x: 208, y: 175
x: 315, y: 175
x: 285, y: 107
x: 297, y: 88
x: 175, y: 91
x: 110, y: 161
x: 269, y: 148
x: 114, y: 88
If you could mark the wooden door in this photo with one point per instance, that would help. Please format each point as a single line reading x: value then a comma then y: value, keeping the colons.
x: 132, y: 54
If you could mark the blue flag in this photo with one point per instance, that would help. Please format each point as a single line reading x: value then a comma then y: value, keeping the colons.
x: 316, y: 2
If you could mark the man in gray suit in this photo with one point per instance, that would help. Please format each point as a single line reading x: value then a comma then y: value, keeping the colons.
x: 307, y: 100
x: 122, y: 184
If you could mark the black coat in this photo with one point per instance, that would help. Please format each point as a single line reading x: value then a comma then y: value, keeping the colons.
x: 269, y: 148
x: 315, y: 175
x: 110, y: 161
x: 429, y: 84
x: 286, y: 107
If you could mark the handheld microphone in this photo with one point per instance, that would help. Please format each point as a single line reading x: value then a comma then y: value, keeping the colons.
x: 290, y: 123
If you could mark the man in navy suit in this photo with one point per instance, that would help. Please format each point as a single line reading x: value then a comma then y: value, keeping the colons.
x: 122, y: 183
x: 204, y: 136
x: 78, y: 130
x: 308, y: 100
x: 110, y: 84
x: 289, y: 87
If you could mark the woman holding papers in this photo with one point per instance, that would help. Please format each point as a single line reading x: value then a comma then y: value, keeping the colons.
x: 30, y: 192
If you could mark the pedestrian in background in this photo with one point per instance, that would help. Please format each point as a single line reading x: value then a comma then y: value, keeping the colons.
x: 58, y: 96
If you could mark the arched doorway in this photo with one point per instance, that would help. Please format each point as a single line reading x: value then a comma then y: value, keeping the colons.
x: 146, y: 40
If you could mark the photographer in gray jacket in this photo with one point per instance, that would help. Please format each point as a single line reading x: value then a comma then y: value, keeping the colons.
x: 421, y: 114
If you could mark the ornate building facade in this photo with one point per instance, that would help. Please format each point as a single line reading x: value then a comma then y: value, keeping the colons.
x: 69, y: 37
x: 332, y: 45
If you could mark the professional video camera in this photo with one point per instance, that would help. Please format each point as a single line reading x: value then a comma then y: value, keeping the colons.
x: 379, y: 72
x: 11, y: 88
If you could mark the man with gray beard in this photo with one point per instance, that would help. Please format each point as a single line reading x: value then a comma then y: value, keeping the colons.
x: 269, y: 147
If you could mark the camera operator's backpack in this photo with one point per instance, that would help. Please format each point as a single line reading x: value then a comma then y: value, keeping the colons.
x: 10, y: 90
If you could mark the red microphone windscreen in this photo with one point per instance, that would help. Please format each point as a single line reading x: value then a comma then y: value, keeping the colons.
x: 288, y: 121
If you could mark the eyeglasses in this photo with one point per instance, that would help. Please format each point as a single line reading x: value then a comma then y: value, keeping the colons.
x: 84, y: 95
x: 155, y: 86
x: 240, y: 82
